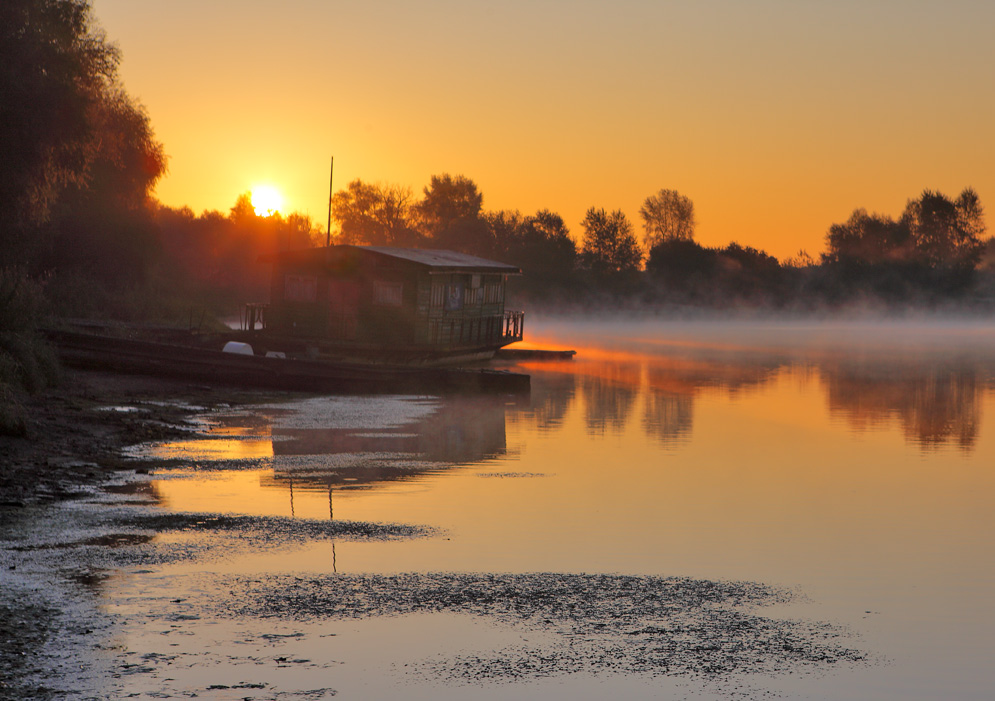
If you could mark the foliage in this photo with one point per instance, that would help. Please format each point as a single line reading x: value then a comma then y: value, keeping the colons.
x: 933, y: 232
x: 542, y: 247
x: 449, y: 214
x: 79, y: 157
x: 667, y: 216
x: 375, y: 215
x: 933, y: 249
x: 609, y: 248
x: 26, y: 361
x: 55, y: 70
x: 218, y: 256
x: 944, y: 232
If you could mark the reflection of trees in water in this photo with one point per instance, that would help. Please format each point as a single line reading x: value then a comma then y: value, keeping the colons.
x: 549, y: 402
x: 668, y: 417
x: 610, y: 396
x: 934, y: 403
x: 610, y: 389
x: 934, y: 406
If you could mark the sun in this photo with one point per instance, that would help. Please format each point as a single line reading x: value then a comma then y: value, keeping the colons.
x: 266, y: 200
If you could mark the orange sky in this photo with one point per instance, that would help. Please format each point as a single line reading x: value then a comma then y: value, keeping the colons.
x: 776, y: 117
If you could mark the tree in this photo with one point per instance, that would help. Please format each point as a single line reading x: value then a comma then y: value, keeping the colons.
x: 609, y: 248
x: 933, y: 232
x: 667, y: 216
x: 450, y: 215
x: 55, y: 68
x: 374, y: 214
x: 946, y: 233
x: 544, y: 249
x: 448, y: 199
x: 869, y: 239
x: 78, y: 156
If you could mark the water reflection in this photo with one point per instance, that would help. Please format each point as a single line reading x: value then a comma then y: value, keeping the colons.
x: 935, y: 400
x: 460, y: 430
x: 934, y: 405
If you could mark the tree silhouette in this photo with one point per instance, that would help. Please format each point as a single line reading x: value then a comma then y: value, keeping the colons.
x: 609, y: 248
x: 944, y: 232
x: 450, y: 215
x: 377, y: 215
x: 78, y: 157
x: 667, y: 216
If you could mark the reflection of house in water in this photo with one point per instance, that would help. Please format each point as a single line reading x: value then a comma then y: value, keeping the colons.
x: 934, y: 406
x: 464, y: 430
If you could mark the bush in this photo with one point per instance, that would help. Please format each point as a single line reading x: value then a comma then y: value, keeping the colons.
x: 27, y: 363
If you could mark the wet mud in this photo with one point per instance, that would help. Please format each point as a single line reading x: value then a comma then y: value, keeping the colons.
x: 598, y: 623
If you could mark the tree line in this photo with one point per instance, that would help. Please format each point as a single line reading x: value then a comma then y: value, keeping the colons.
x: 77, y: 213
x: 81, y: 233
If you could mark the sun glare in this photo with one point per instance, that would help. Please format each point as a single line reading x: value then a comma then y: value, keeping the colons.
x: 266, y: 200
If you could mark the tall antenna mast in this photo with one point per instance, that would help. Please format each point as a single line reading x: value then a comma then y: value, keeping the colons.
x: 328, y: 230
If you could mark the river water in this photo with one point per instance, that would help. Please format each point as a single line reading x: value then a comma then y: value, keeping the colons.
x: 851, y: 465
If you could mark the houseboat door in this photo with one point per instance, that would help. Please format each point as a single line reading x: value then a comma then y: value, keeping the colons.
x: 343, y: 309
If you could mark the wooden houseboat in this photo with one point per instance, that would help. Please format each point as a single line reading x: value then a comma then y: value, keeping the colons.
x: 382, y: 304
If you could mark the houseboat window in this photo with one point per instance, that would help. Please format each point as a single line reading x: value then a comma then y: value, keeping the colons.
x: 300, y: 288
x: 387, y: 294
x: 473, y: 296
x: 493, y: 291
x: 438, y: 294
x: 454, y: 297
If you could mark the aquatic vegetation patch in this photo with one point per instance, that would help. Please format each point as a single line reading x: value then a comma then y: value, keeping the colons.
x: 269, y: 528
x: 601, y: 624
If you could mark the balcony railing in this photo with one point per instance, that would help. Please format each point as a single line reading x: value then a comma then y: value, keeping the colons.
x: 254, y: 316
x: 514, y: 326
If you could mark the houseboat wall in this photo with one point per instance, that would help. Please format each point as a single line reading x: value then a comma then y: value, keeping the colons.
x: 372, y: 299
x: 464, y: 309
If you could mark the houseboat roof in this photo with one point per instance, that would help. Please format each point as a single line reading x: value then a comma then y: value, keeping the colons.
x: 437, y: 261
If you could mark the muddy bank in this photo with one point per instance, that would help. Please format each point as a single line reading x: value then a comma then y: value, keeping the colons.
x: 75, y: 432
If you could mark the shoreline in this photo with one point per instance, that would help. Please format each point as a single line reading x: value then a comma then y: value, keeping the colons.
x: 77, y: 430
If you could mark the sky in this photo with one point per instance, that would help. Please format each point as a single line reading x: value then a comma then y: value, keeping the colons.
x: 777, y: 118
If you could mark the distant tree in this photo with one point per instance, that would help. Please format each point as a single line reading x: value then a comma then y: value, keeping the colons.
x: 505, y: 231
x: 374, y: 214
x: 933, y: 232
x: 448, y: 199
x: 450, y: 215
x: 802, y: 259
x: 946, y: 233
x: 667, y: 216
x: 541, y: 245
x: 609, y: 247
x: 682, y: 264
x: 869, y: 239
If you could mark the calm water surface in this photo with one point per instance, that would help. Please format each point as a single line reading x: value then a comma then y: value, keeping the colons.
x: 854, y: 463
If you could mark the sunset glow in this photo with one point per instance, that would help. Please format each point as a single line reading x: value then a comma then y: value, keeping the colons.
x: 776, y: 118
x: 266, y: 200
